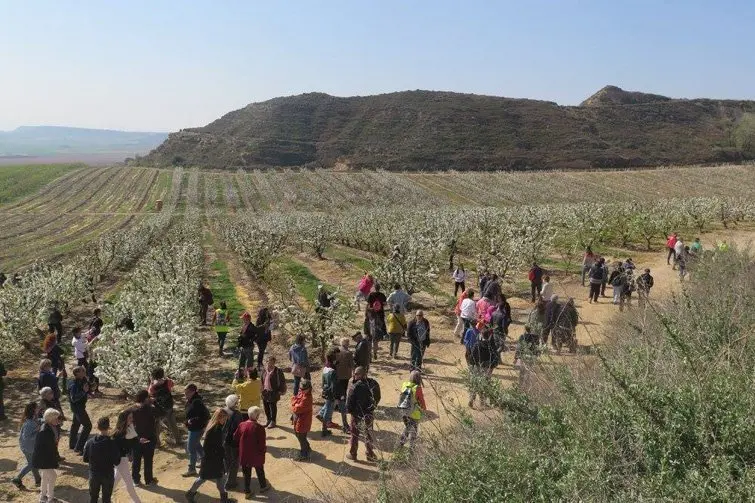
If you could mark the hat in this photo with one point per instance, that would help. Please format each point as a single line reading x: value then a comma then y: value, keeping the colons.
x: 232, y: 401
x: 246, y: 315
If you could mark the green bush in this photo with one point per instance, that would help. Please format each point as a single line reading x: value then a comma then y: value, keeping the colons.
x: 664, y: 413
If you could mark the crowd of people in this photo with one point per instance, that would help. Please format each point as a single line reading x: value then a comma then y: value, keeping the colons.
x: 224, y: 438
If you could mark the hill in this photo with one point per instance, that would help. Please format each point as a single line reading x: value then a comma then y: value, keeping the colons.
x: 424, y: 130
x: 35, y: 141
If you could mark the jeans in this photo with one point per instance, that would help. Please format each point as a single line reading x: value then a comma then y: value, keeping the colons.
x: 594, y: 291
x: 326, y: 412
x: 102, y: 483
x: 231, y: 454
x: 219, y: 483
x: 304, y: 448
x: 28, y: 468
x: 194, y: 448
x: 121, y: 472
x: 261, y: 346
x: 363, y: 425
x: 459, y: 286
x: 221, y: 341
x: 77, y: 440
x: 246, y: 359
x: 411, y: 428
x: 418, y: 353
x: 170, y: 420
x: 395, y: 340
x: 271, y: 411
x: 47, y: 485
x: 535, y: 287
x: 247, y: 471
x: 146, y: 452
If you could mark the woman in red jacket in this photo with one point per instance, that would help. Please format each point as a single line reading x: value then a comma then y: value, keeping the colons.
x: 250, y: 436
x: 301, y: 406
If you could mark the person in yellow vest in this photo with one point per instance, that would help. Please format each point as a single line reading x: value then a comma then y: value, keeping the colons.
x: 220, y: 324
x: 249, y: 391
x: 412, y: 405
x: 396, y: 329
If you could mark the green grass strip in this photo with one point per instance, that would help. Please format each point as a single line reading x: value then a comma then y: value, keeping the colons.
x: 223, y: 290
x: 20, y: 181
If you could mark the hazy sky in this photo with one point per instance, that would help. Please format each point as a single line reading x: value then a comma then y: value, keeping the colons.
x: 162, y: 65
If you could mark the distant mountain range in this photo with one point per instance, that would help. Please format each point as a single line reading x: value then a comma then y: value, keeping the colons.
x: 426, y: 130
x: 41, y: 141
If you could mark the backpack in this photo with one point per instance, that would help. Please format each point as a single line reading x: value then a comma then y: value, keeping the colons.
x: 163, y: 399
x: 406, y: 400
x: 376, y: 306
x: 222, y: 319
x: 374, y: 389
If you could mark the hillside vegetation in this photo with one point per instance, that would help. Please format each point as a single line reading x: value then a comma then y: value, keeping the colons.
x: 424, y: 130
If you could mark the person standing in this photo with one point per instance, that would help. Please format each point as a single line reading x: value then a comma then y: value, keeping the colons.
x: 671, y: 246
x: 230, y: 446
x: 197, y: 417
x: 144, y: 418
x: 26, y: 439
x: 273, y: 386
x: 468, y: 312
x: 619, y: 284
x: 103, y: 455
x: 213, y: 467
x: 400, y: 298
x: 459, y: 328
x: 644, y: 283
x: 55, y: 354
x: 361, y: 406
x: 249, y: 390
x: 596, y: 279
x: 125, y: 439
x: 344, y: 371
x: 250, y: 436
x: 411, y: 408
x: 161, y: 391
x: 483, y: 282
x: 55, y: 323
x: 492, y: 290
x: 679, y: 248
x: 299, y: 358
x: 460, y: 279
x: 588, y: 260
x: 247, y: 338
x: 361, y: 350
x: 418, y: 333
x: 329, y: 386
x: 536, y: 280
x: 363, y: 289
x: 396, y: 329
x: 301, y: 408
x: 682, y: 259
x: 78, y: 392
x: 220, y: 324
x: 264, y: 327
x: 45, y: 458
x: 547, y: 289
x: 95, y: 324
x: 696, y: 248
x: 205, y: 301
x: 483, y: 358
x: 374, y: 320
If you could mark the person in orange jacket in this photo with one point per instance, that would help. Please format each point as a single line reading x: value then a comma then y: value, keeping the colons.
x: 301, y: 407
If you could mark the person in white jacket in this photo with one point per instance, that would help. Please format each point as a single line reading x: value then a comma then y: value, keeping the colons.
x: 460, y: 279
x: 468, y: 311
x: 546, y: 292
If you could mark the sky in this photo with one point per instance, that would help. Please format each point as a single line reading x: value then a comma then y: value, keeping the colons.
x: 163, y: 65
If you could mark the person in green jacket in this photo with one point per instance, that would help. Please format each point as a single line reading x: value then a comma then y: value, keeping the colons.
x: 220, y: 323
x: 412, y: 405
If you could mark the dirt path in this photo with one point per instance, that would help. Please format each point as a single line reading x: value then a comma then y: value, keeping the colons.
x: 329, y: 476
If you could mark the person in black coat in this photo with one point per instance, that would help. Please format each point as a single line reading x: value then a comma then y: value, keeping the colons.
x: 361, y: 405
x: 145, y: 420
x: 45, y: 457
x: 197, y: 416
x: 418, y: 333
x: 103, y: 455
x: 78, y: 392
x: 213, y: 465
x: 361, y: 351
x: 230, y: 445
x: 482, y: 359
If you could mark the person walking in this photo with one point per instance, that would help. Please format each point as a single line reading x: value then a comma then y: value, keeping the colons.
x: 55, y: 323
x: 644, y: 283
x: 273, y: 386
x: 547, y: 289
x: 264, y: 326
x: 361, y: 350
x: 696, y: 248
x: 460, y: 279
x: 682, y: 260
x: 103, y: 456
x: 250, y: 436
x: 588, y: 260
x: 230, y: 446
x: 619, y: 283
x: 418, y: 333
x: 329, y: 390
x: 459, y: 328
x: 145, y: 420
x: 125, y: 439
x: 248, y: 388
x: 596, y: 279
x: 535, y: 275
x: 361, y: 406
x: 205, y: 301
x: 299, y: 358
x: 400, y: 298
x: 671, y: 246
x: 54, y: 353
x: 26, y: 439
x: 78, y: 392
x: 492, y: 290
x: 363, y: 289
x: 301, y: 408
x: 679, y: 248
x: 396, y: 329
x: 468, y: 312
x: 161, y: 392
x: 197, y: 417
x: 213, y: 464
x: 483, y: 358
x: 374, y: 319
x: 45, y: 458
x: 344, y: 371
x: 604, y: 279
x: 412, y: 405
x: 247, y: 339
x: 220, y: 324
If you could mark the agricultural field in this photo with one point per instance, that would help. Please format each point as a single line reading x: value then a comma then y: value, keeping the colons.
x: 270, y: 238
